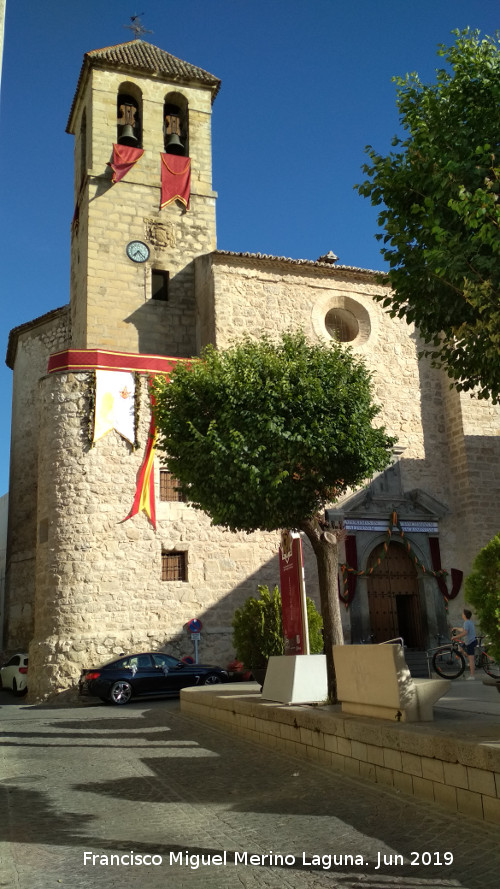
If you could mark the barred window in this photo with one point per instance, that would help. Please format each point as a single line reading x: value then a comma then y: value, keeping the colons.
x: 173, y: 565
x: 169, y: 489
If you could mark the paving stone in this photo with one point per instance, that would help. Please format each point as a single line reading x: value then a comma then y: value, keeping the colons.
x: 149, y: 780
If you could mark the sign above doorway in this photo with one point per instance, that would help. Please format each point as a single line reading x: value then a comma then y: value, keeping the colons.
x: 381, y: 525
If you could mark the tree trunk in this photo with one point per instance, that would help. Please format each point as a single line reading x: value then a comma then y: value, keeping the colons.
x: 324, y: 544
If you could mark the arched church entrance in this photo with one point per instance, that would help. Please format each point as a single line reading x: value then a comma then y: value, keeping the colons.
x: 393, y: 597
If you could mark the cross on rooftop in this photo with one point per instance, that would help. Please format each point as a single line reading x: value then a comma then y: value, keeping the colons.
x: 137, y: 27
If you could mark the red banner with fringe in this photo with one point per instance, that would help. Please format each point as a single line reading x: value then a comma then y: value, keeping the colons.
x: 175, y: 179
x: 351, y: 555
x: 124, y: 158
x: 456, y: 575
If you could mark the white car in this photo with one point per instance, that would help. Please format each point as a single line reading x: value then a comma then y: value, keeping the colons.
x: 14, y: 674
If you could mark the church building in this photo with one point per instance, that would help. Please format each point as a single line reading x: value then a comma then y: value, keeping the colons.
x: 103, y: 557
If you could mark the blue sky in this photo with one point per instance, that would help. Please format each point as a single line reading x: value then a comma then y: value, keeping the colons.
x: 306, y: 84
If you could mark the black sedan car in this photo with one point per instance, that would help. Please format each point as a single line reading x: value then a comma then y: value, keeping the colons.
x: 149, y: 674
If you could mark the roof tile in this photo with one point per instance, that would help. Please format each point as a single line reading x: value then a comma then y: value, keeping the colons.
x: 138, y: 55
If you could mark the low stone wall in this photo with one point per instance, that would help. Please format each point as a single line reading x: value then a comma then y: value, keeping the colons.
x: 458, y: 773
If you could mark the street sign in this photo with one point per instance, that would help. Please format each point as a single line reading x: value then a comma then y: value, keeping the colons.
x: 194, y: 625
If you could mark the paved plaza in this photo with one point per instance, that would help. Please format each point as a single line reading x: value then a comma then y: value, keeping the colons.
x: 96, y: 796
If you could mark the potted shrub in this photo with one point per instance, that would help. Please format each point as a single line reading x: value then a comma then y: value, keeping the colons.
x: 258, y: 630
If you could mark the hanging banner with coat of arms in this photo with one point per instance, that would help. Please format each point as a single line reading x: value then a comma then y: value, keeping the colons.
x: 293, y: 594
x: 114, y: 404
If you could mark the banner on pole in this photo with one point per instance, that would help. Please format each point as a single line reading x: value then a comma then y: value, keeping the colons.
x: 293, y: 594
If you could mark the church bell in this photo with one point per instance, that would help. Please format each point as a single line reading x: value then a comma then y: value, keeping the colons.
x: 173, y: 144
x: 127, y: 123
x: 173, y: 130
x: 127, y: 136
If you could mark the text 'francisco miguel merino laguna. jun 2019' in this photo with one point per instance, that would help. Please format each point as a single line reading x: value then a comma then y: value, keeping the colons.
x: 195, y: 860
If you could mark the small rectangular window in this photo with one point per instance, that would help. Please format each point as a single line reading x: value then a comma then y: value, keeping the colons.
x: 169, y: 489
x: 173, y: 565
x: 159, y: 284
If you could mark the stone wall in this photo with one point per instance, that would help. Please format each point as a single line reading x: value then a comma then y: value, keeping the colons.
x: 96, y: 588
x: 450, y: 443
x: 253, y: 296
x: 98, y: 578
x: 432, y: 764
x: 34, y: 345
x: 110, y: 295
x: 4, y: 512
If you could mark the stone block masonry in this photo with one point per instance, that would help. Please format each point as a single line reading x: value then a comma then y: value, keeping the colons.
x: 110, y: 298
x: 99, y: 588
x: 51, y: 333
x: 82, y: 583
x: 450, y: 442
x: 461, y: 775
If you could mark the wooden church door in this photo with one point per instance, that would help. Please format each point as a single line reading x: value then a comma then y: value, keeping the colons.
x: 393, y: 597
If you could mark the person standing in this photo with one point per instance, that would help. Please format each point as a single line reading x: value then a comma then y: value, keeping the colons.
x: 467, y: 635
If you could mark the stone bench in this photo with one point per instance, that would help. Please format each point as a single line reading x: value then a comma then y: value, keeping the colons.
x: 494, y: 682
x: 374, y: 680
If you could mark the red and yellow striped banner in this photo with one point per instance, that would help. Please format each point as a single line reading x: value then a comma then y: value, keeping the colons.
x: 144, y: 500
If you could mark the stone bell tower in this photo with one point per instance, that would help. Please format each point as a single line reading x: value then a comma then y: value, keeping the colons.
x: 140, y: 116
x: 144, y: 210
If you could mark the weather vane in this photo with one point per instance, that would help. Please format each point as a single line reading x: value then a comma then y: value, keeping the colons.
x: 137, y: 27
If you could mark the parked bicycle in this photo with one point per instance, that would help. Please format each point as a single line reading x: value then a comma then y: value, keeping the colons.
x: 449, y: 660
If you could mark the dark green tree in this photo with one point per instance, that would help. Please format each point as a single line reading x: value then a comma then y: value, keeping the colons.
x: 263, y: 435
x: 482, y: 590
x: 439, y: 196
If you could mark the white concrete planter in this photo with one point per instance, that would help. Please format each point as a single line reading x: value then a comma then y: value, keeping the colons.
x: 296, y: 679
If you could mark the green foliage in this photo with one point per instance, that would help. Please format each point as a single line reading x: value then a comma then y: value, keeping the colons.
x: 315, y: 626
x: 262, y: 435
x: 258, y: 629
x: 482, y: 590
x: 439, y: 193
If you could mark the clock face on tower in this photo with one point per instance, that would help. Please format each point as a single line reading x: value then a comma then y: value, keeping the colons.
x: 137, y: 251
